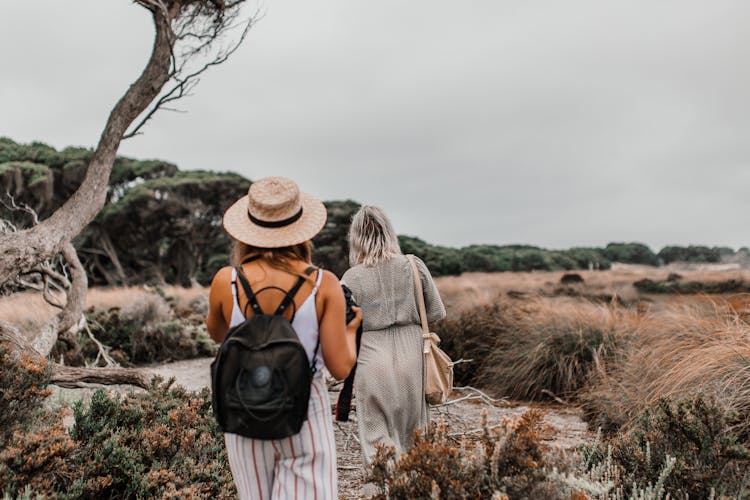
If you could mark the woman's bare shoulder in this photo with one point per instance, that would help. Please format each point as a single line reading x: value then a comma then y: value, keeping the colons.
x: 223, y: 276
x: 329, y: 280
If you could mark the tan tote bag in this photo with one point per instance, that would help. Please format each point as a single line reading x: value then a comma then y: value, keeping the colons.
x: 438, y: 366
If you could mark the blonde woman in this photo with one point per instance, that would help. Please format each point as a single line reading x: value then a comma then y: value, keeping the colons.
x: 389, y: 386
x: 272, y: 227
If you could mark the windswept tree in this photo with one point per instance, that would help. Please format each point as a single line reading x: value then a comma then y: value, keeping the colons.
x: 190, y: 37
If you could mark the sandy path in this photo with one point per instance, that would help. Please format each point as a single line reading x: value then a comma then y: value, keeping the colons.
x: 461, y: 416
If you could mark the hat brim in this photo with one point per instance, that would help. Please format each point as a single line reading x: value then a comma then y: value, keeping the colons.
x: 239, y: 226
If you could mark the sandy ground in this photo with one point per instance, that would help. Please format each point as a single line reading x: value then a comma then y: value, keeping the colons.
x: 462, y: 416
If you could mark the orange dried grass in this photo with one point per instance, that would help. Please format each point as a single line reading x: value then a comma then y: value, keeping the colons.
x: 29, y: 312
x: 677, y: 352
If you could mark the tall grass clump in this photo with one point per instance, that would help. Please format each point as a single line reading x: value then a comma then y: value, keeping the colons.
x: 535, y: 349
x: 677, y: 353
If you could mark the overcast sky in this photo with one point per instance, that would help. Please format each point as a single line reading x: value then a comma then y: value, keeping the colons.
x: 555, y: 123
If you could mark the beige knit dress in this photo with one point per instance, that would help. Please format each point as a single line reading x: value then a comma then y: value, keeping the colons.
x: 389, y: 385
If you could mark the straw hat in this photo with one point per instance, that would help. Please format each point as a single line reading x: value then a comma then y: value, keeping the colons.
x: 274, y: 214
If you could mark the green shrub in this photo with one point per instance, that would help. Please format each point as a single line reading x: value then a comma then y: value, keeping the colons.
x: 597, y: 475
x: 441, y: 261
x: 690, y: 449
x: 701, y: 436
x: 23, y: 383
x: 691, y: 253
x: 162, y: 443
x: 669, y: 286
x: 585, y: 257
x: 631, y: 253
x: 149, y: 330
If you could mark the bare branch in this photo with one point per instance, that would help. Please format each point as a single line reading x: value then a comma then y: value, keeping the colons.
x: 72, y: 311
x: 68, y: 376
x: 207, y: 38
x: 22, y: 207
x: 103, y: 351
x: 74, y: 377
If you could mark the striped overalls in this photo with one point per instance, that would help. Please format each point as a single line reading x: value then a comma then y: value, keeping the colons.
x: 302, y: 466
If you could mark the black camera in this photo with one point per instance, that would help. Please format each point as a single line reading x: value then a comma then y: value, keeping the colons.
x: 349, y: 303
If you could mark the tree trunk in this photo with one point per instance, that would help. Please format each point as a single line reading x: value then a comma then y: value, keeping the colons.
x: 23, y: 250
x: 73, y: 377
x: 69, y: 376
x: 71, y: 313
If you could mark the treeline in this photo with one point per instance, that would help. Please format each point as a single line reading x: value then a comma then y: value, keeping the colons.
x: 163, y: 225
x: 159, y: 224
x: 499, y: 258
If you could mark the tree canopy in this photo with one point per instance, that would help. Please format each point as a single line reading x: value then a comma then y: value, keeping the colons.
x: 163, y: 225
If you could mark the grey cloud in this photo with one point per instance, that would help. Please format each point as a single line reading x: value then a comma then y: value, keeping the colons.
x: 551, y: 123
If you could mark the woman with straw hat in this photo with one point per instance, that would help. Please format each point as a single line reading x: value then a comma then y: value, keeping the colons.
x: 272, y: 226
x: 389, y: 386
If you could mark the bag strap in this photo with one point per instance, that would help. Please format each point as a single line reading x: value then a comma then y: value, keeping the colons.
x: 420, y: 297
x: 289, y: 298
x: 252, y: 301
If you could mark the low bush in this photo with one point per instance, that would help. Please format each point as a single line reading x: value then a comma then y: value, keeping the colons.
x: 163, y: 443
x: 149, y: 330
x: 689, y: 449
x: 22, y: 390
x: 506, y: 462
x: 701, y: 435
x: 669, y: 286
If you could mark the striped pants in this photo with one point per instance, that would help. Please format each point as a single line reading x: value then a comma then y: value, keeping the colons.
x: 302, y: 466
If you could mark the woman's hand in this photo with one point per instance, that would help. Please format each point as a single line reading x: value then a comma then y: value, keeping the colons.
x: 351, y: 327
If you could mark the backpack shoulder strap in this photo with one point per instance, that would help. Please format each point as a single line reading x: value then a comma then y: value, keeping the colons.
x: 289, y: 298
x: 252, y: 301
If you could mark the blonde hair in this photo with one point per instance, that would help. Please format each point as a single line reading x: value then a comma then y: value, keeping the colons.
x: 371, y: 238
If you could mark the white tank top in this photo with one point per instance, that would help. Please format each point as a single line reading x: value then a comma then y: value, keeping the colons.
x: 305, y: 322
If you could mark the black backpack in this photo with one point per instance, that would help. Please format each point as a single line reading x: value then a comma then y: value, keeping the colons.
x: 261, y: 377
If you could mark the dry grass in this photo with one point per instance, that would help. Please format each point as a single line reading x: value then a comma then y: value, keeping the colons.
x: 536, y: 348
x: 461, y: 293
x: 554, y: 344
x: 28, y: 311
x: 680, y: 351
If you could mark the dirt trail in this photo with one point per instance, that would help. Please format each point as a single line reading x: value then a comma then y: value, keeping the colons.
x: 462, y: 416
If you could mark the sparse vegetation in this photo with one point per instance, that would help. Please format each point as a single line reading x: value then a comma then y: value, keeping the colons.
x: 162, y: 443
x: 146, y: 330
x: 664, y: 375
x: 509, y: 461
x: 669, y: 389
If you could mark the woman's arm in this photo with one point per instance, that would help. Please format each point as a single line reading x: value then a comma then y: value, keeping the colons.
x: 432, y: 301
x: 220, y: 287
x: 337, y: 339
